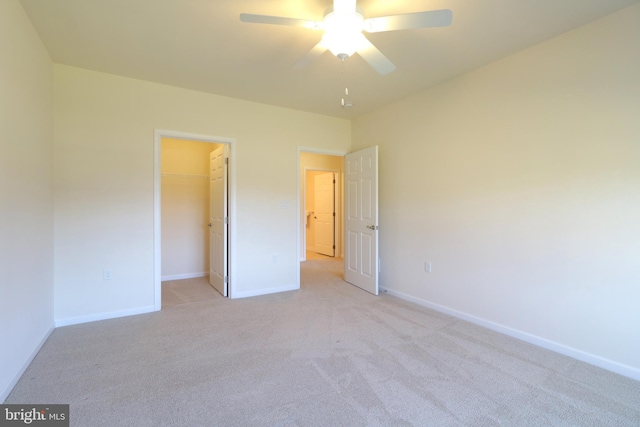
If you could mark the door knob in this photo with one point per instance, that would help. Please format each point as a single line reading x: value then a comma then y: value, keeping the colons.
x: 209, y: 225
x: 371, y: 227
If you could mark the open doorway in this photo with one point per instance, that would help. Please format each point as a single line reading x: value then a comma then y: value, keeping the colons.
x: 193, y: 209
x: 357, y: 207
x: 321, y: 200
x: 183, y: 248
x: 185, y: 201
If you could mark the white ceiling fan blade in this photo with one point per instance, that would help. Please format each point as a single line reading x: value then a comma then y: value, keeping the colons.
x: 375, y: 58
x: 316, y: 51
x: 429, y: 19
x: 280, y: 20
x: 344, y: 6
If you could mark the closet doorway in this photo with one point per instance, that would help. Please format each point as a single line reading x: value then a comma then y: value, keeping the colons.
x: 193, y: 212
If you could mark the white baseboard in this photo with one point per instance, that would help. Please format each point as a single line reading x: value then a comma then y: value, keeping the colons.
x: 592, y: 359
x: 184, y: 276
x: 104, y: 316
x: 259, y: 292
x: 5, y: 393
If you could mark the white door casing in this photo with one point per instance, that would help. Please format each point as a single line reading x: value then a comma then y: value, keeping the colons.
x: 324, y: 214
x: 361, y: 219
x: 218, y: 220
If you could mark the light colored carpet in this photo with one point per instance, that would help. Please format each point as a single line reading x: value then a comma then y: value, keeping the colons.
x: 315, y: 256
x: 327, y: 355
x: 185, y: 291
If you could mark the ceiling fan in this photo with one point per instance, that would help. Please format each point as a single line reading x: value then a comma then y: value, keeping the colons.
x: 343, y: 25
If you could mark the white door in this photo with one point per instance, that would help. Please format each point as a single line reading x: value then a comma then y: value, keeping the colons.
x: 325, y: 216
x: 218, y: 220
x: 361, y: 219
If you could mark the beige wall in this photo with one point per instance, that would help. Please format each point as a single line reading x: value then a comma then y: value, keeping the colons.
x: 185, y: 157
x: 319, y: 162
x: 185, y: 208
x: 104, y: 139
x: 26, y: 205
x: 520, y: 183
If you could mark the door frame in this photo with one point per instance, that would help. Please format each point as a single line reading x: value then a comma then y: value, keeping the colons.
x: 301, y: 250
x: 157, y: 194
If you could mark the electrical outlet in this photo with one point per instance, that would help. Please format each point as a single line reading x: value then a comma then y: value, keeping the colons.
x: 427, y: 267
x: 106, y: 274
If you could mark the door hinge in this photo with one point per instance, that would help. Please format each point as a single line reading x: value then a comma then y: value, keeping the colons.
x: 334, y: 181
x: 226, y: 220
x: 226, y: 279
x: 334, y: 214
x: 334, y: 246
x: 226, y: 160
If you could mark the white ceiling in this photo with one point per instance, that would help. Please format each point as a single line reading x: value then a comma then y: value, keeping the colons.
x: 202, y: 45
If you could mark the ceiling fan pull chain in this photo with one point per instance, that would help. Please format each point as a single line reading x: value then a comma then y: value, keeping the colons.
x: 343, y: 75
x: 344, y: 101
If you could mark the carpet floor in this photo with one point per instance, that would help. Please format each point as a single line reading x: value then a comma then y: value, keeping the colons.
x: 327, y: 355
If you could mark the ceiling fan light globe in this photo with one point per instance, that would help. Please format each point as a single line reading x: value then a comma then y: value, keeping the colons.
x: 342, y: 33
x: 340, y: 46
